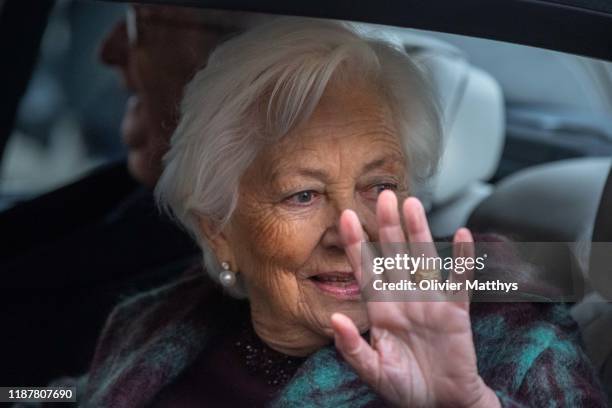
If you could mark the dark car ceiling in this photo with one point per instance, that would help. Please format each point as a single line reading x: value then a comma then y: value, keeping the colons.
x: 576, y: 26
x: 595, y: 5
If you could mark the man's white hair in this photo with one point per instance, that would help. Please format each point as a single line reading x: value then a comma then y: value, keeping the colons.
x: 257, y: 87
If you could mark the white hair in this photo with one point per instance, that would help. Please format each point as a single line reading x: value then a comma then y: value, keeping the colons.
x: 257, y: 87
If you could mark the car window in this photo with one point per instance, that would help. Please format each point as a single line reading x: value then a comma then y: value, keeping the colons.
x: 100, y: 236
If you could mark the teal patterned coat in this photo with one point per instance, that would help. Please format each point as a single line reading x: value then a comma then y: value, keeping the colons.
x: 529, y: 353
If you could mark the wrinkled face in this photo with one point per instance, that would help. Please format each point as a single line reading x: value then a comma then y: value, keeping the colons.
x: 164, y: 48
x: 284, y: 234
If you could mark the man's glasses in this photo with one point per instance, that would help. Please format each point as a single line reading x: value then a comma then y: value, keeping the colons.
x: 131, y: 26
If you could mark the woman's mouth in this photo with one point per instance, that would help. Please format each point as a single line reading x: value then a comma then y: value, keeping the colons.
x: 341, y: 285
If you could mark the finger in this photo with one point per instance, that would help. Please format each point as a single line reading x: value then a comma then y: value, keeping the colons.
x: 419, y: 235
x: 355, y: 350
x: 390, y: 233
x: 416, y: 221
x: 353, y: 237
x: 463, y: 247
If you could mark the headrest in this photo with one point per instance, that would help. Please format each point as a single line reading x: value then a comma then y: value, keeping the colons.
x: 472, y: 108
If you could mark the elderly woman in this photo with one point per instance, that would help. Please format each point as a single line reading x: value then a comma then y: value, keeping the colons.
x: 298, y: 141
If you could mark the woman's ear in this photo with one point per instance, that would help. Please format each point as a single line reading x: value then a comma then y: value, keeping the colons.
x: 218, y: 242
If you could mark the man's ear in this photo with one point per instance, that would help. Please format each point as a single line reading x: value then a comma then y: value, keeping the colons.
x: 218, y: 242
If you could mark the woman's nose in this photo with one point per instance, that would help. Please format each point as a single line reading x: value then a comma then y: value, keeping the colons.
x: 114, y: 48
x: 332, y: 239
x: 348, y: 199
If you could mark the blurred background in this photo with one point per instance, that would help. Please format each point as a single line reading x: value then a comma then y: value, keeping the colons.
x: 557, y: 105
x: 68, y: 120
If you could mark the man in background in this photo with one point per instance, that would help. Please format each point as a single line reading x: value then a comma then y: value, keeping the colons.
x: 108, y: 240
x: 157, y: 50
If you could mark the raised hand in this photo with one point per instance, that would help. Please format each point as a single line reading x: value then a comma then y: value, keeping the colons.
x: 420, y: 353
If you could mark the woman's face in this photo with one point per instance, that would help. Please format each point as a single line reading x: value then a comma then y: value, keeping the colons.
x: 283, y: 237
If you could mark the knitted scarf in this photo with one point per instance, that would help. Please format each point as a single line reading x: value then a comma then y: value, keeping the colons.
x: 527, y: 352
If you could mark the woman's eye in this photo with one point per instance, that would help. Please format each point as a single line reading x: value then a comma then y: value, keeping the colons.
x: 302, y: 198
x: 385, y: 186
x: 373, y: 191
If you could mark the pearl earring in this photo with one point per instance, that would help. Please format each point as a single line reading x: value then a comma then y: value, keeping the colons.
x: 227, y: 277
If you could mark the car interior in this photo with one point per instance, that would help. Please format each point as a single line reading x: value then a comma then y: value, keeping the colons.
x: 517, y: 160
